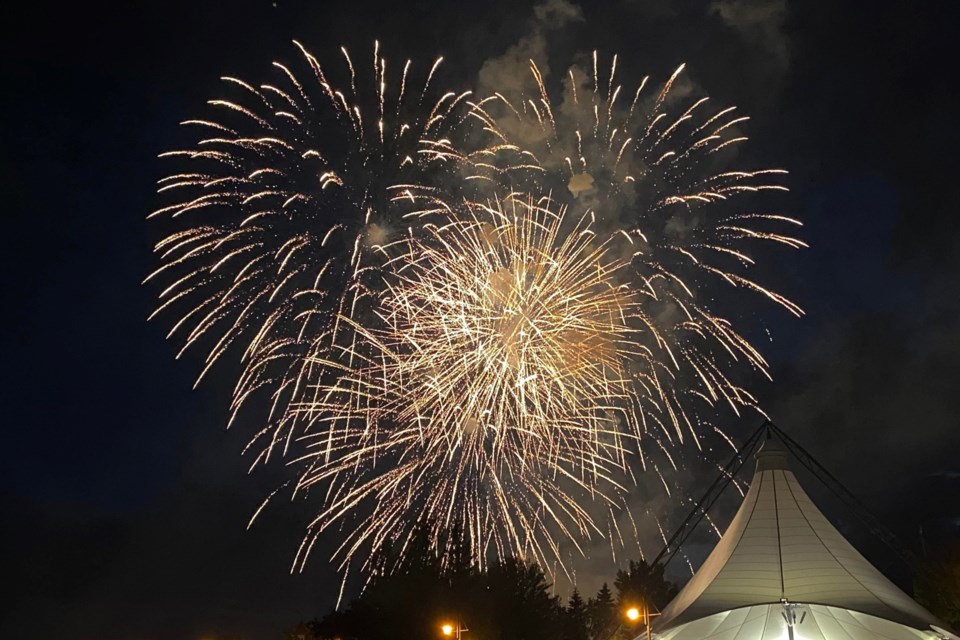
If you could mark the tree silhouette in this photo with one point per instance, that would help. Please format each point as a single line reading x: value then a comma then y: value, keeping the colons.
x: 937, y: 585
x: 643, y: 585
x: 520, y: 602
x: 575, y: 619
x: 601, y: 614
x: 511, y: 600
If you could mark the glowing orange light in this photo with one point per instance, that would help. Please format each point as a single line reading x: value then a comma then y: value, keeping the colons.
x: 633, y: 614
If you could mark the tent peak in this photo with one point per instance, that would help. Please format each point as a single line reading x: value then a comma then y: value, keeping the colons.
x: 779, y: 551
x: 772, y: 456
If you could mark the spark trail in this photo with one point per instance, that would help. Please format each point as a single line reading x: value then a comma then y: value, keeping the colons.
x: 659, y: 171
x: 439, y: 359
x: 492, y: 396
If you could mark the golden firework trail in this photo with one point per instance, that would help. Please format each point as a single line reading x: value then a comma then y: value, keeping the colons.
x: 436, y: 358
x: 493, y: 392
x: 654, y: 167
x: 284, y: 201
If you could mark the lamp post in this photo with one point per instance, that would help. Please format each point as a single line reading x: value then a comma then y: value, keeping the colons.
x: 453, y: 630
x: 633, y: 614
x: 646, y: 618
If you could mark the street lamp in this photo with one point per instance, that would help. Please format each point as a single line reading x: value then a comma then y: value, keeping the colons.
x: 634, y: 614
x: 453, y: 630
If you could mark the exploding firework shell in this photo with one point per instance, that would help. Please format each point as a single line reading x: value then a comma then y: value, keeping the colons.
x: 437, y: 365
x: 499, y: 369
x: 283, y: 202
x: 658, y: 170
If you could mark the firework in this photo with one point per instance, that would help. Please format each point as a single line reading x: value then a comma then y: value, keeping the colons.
x: 492, y: 394
x: 658, y: 170
x: 437, y: 358
x: 284, y: 201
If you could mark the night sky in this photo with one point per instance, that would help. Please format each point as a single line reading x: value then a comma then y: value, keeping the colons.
x: 125, y: 500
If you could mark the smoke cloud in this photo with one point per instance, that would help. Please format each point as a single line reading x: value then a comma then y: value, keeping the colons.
x: 760, y: 23
x: 510, y: 71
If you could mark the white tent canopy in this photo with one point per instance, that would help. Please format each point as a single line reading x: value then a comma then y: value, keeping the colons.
x: 812, y: 622
x: 781, y: 570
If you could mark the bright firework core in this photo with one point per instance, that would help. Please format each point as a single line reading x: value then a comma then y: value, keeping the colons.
x: 500, y: 366
x: 523, y: 323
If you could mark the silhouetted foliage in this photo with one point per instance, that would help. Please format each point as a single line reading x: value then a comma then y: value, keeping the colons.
x: 601, y: 614
x: 300, y: 631
x: 511, y: 600
x: 643, y: 585
x: 937, y: 585
x: 575, y: 618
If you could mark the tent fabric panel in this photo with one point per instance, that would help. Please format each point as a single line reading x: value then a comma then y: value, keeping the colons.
x: 715, y: 561
x: 815, y: 622
x: 780, y: 546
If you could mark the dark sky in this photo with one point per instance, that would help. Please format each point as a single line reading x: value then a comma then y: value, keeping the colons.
x: 125, y: 500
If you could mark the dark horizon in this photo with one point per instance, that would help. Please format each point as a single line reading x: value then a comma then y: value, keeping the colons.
x: 126, y: 501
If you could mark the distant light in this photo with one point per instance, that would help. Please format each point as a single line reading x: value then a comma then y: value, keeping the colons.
x: 633, y: 614
x: 447, y: 629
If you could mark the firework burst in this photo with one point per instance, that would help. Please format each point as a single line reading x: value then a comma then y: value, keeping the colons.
x: 490, y: 394
x: 284, y: 201
x: 439, y: 359
x: 658, y: 170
